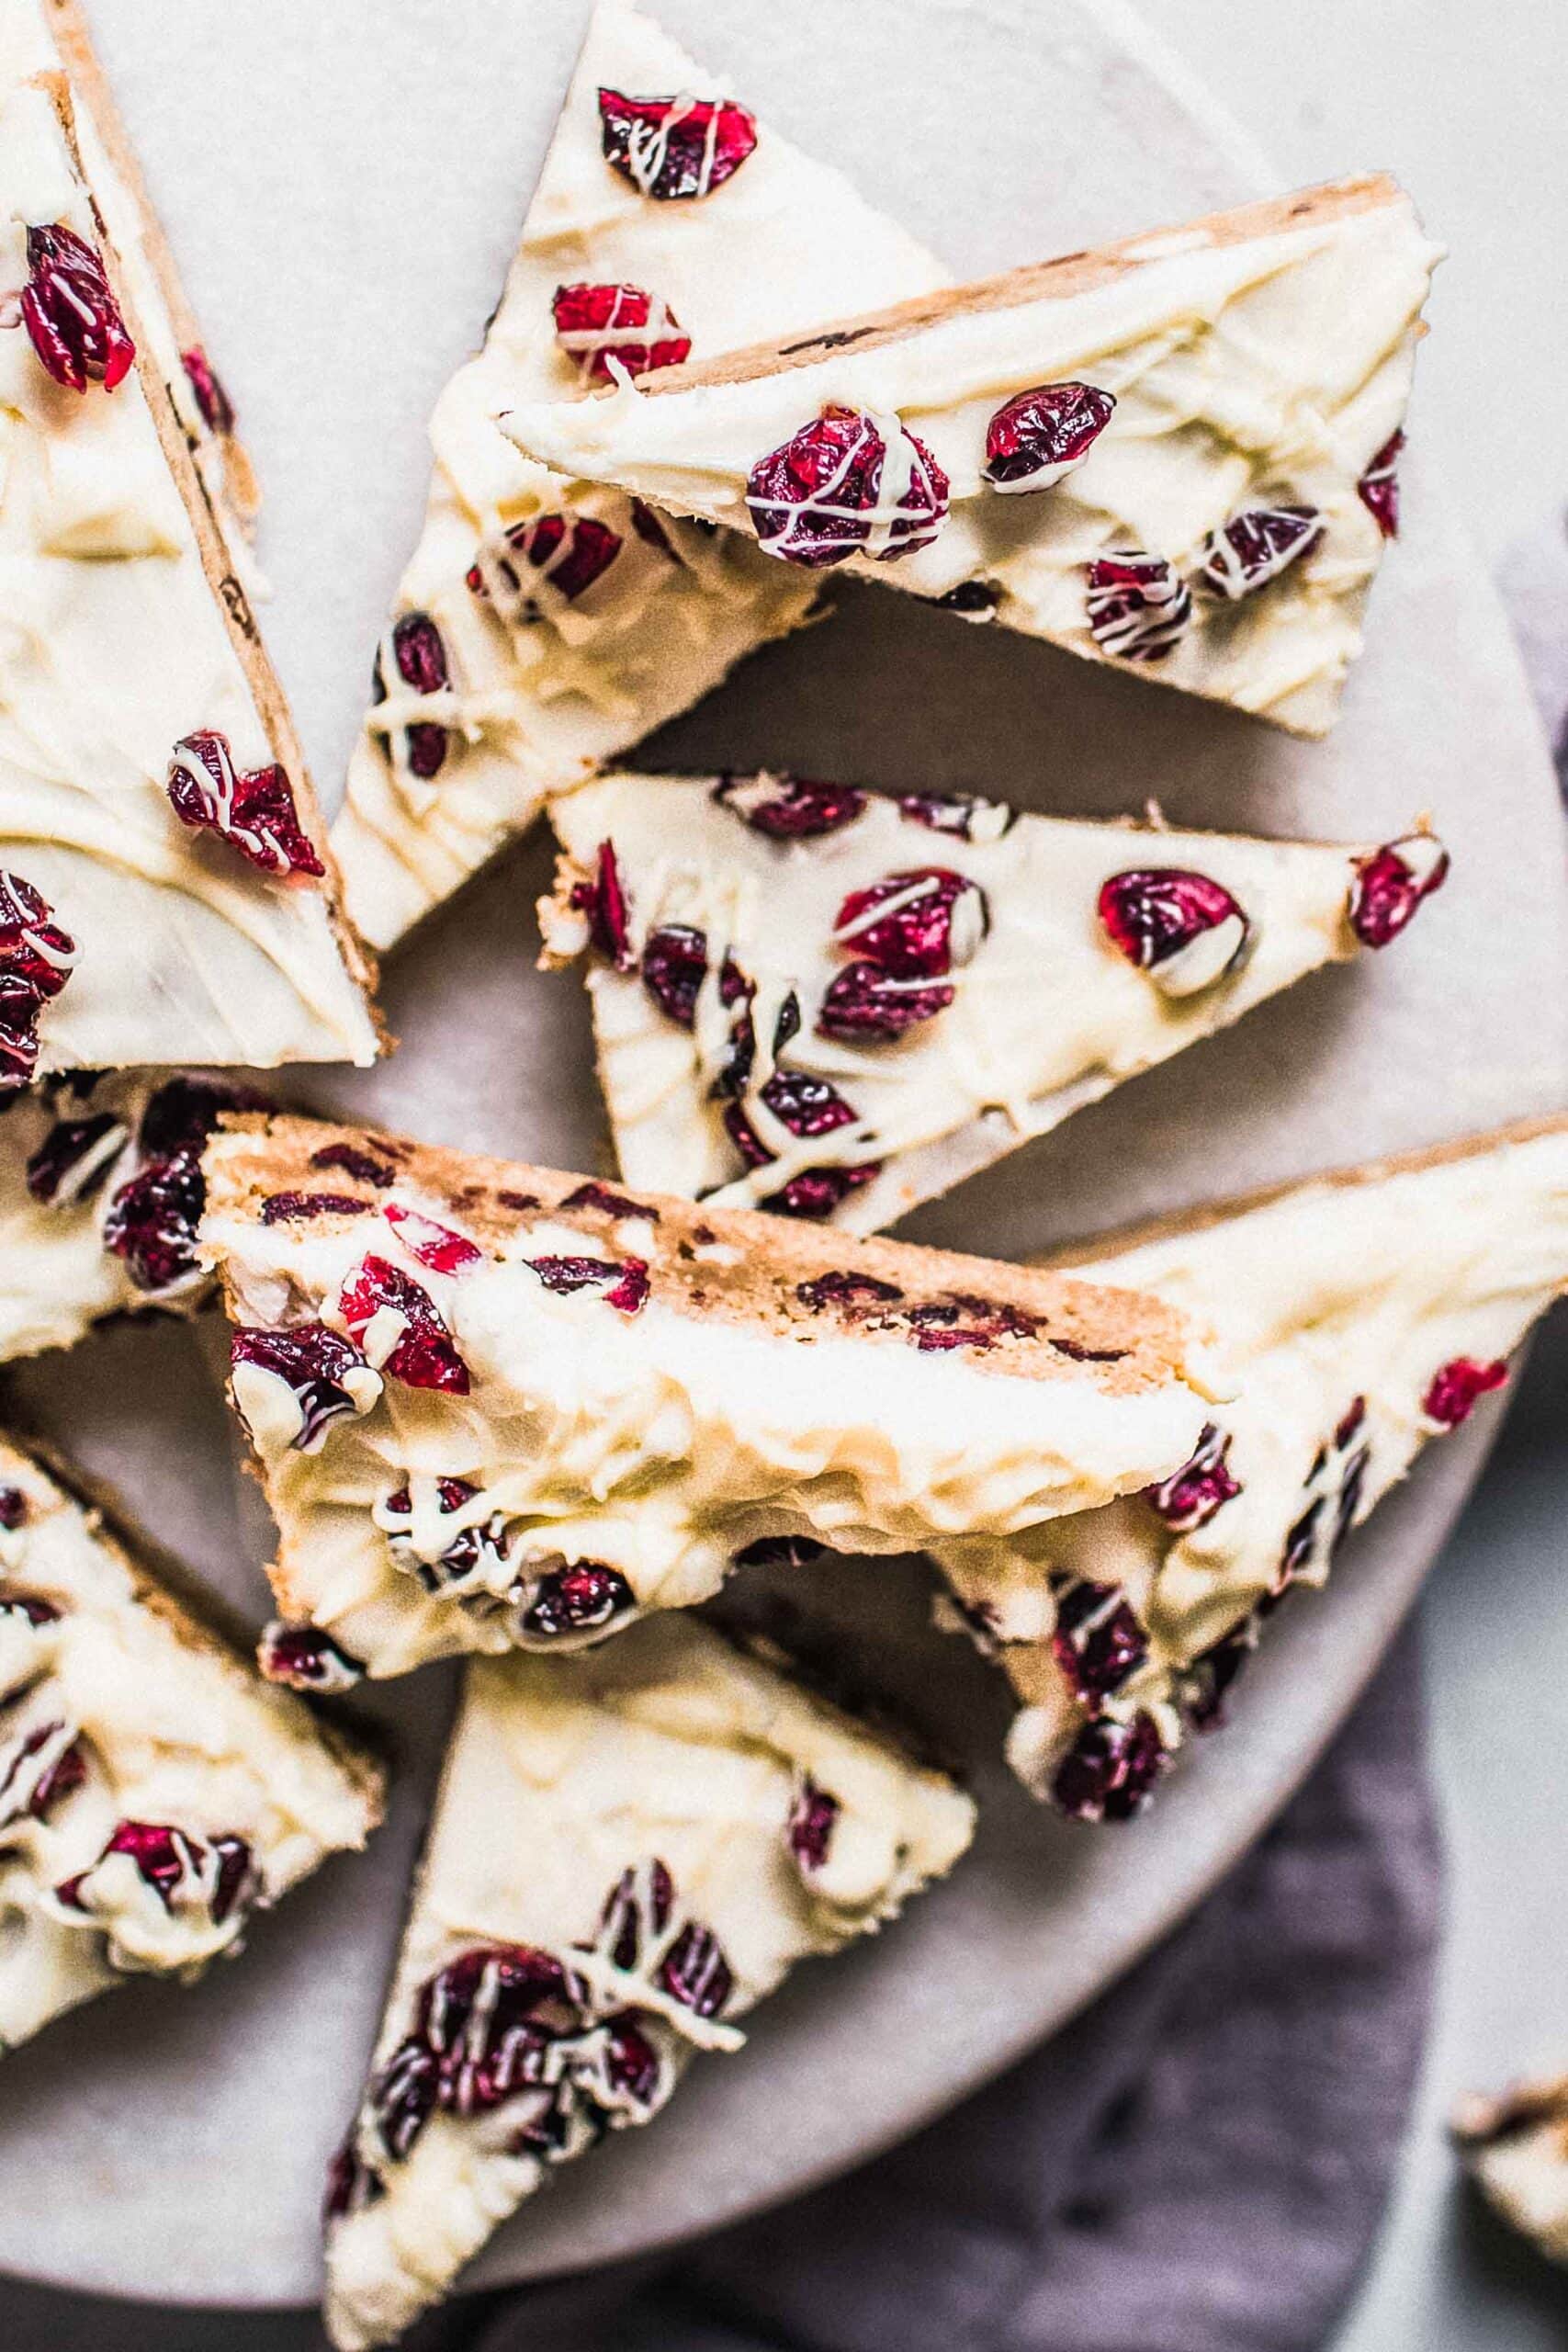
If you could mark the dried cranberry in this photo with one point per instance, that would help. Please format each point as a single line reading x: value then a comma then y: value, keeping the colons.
x: 185, y: 1112
x: 73, y: 1161
x: 591, y: 1194
x: 178, y: 1866
x: 604, y: 901
x: 426, y: 1355
x: 295, y: 1208
x: 152, y: 1221
x: 13, y: 1507
x: 964, y: 815
x: 674, y: 966
x: 843, y: 1288
x: 696, y: 1971
x: 42, y: 1767
x: 566, y: 553
x: 359, y: 1164
x: 578, y: 1598
x: 1391, y: 884
x: 806, y: 1106
x: 846, y: 483
x: 477, y: 1553
x: 1203, y: 1686
x: 1138, y: 606
x: 672, y: 149
x: 30, y: 1605
x: 1190, y: 1496
x: 306, y: 1658
x: 1099, y: 1640
x: 1040, y: 435
x: 632, y: 2064
x: 36, y: 961
x: 435, y: 1246
x: 314, y: 1363
x: 565, y: 1276
x: 1457, y: 1385
x: 1251, y: 549
x: 479, y: 2020
x: 402, y: 2097
x: 419, y: 653
x: 789, y: 808
x: 351, y: 2184
x: 1351, y: 1420
x: 597, y: 323
x: 1184, y: 930
x: 915, y: 926
x: 213, y: 404
x: 736, y: 1074
x: 813, y: 1818
x: 70, y: 313
x: 636, y: 1911
x: 1109, y: 1771
x: 1379, y: 486
x: 253, y: 810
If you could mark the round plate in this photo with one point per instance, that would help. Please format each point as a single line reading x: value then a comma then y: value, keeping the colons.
x: 344, y: 214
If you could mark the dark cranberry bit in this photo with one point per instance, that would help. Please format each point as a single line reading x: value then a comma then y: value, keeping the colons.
x: 402, y: 2097
x: 1109, y: 1774
x: 632, y: 2065
x: 843, y: 1287
x: 1190, y: 1496
x: 579, y: 1598
x: 13, y: 1507
x: 636, y: 1911
x: 1251, y: 549
x: 1184, y: 930
x: 252, y: 809
x: 29, y: 1605
x: 152, y: 1221
x: 673, y: 148
x: 597, y: 323
x: 837, y: 489
x: 71, y: 316
x: 351, y: 2184
x: 1040, y: 435
x: 813, y: 1818
x: 178, y: 1866
x: 235, y: 1883
x: 435, y: 1246
x: 594, y: 1196
x: 185, y: 1112
x: 1138, y: 606
x: 696, y: 1971
x: 1099, y: 1640
x: 36, y: 961
x: 604, y: 901
x: 73, y: 1161
x: 962, y: 1320
x: 213, y: 404
x: 1391, y: 884
x: 1301, y: 1546
x: 1205, y: 1684
x: 474, y: 1554
x: 781, y: 1552
x: 39, y: 1769
x: 964, y: 815
x: 627, y: 1278
x: 426, y: 1355
x: 306, y: 1658
x: 733, y: 988
x: 1351, y: 1419
x: 805, y: 1106
x: 916, y: 925
x: 379, y: 1173
x: 479, y: 2023
x: 789, y: 808
x: 674, y: 966
x: 1456, y: 1387
x: 566, y: 553
x: 297, y: 1208
x: 1379, y: 486
x: 314, y: 1363
x: 418, y: 655
x: 518, y: 1201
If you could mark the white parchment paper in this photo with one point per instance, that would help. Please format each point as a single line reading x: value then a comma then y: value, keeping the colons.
x: 343, y: 187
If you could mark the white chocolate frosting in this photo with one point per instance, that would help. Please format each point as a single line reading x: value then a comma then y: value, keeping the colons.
x: 112, y: 648
x: 668, y: 1748
x: 1265, y: 371
x: 1047, y: 1014
x: 653, y: 1441
x: 1355, y: 1290
x: 167, y: 1728
x: 534, y: 705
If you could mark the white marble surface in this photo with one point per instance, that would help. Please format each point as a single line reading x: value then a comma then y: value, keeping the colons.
x: 1471, y: 113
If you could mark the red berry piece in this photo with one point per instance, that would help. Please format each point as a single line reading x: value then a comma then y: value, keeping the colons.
x: 252, y: 809
x: 325, y: 1375
x: 696, y: 1971
x: 806, y: 1106
x: 36, y: 960
x: 13, y: 1507
x: 866, y: 1006
x: 1204, y: 1686
x: 1190, y: 1496
x: 594, y: 1196
x: 562, y: 555
x: 964, y: 815
x: 418, y: 656
x: 1184, y: 930
x: 583, y: 1598
x: 435, y: 1246
x: 361, y: 1165
x: 636, y: 1911
x: 1255, y: 548
x: 1042, y: 435
x: 38, y: 1770
x: 674, y: 149
x: 213, y: 404
x: 1099, y: 1641
x: 626, y: 1278
x: 597, y: 323
x: 307, y: 1658
x: 846, y: 484
x: 1109, y: 1774
x: 1378, y: 487
x: 917, y: 925
x: 674, y: 966
x: 1391, y: 884
x: 604, y: 901
x: 71, y: 316
x: 1456, y: 1386
x: 425, y: 1355
x: 854, y: 1294
x: 808, y: 1832
x: 298, y: 1208
x: 789, y: 808
x: 1138, y: 606
x: 73, y: 1161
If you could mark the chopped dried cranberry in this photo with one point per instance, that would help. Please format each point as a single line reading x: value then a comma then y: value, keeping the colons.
x: 629, y: 1276
x: 1300, y: 1544
x: 419, y: 655
x: 1040, y: 435
x: 70, y: 313
x: 674, y: 966
x: 480, y: 1552
x: 915, y: 926
x: 375, y: 1173
x: 235, y: 1879
x: 632, y: 2064
x: 962, y: 1320
x: 1391, y: 884
x: 152, y: 1221
x: 673, y: 148
x: 813, y: 1818
x: 806, y: 1106
x: 435, y: 1246
x: 789, y: 808
x: 253, y: 809
x: 1099, y: 1640
x: 185, y: 1112
x: 1351, y: 1420
x: 36, y: 961
x: 179, y: 1867
x: 843, y: 1288
x: 13, y: 1507
x: 306, y: 1658
x: 566, y: 553
x: 844, y: 484
x: 578, y: 1598
x: 1379, y: 486
x: 32, y: 1606
x: 1251, y: 549
x: 402, y: 2097
x: 1190, y: 1496
x: 73, y: 1161
x: 213, y: 404
x: 781, y: 1552
x: 1138, y: 606
x: 1205, y: 1685
x: 1457, y: 1385
x: 636, y: 1911
x: 295, y: 1208
x: 964, y: 815
x: 314, y: 1363
x: 478, y: 2023
x: 425, y: 1355
x: 735, y: 988
x: 696, y: 1971
x: 593, y: 1195
x: 1184, y: 930
x: 604, y: 901
x: 597, y: 323
x: 37, y: 1771
x: 519, y: 1202
x: 351, y: 2184
x: 1109, y: 1771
